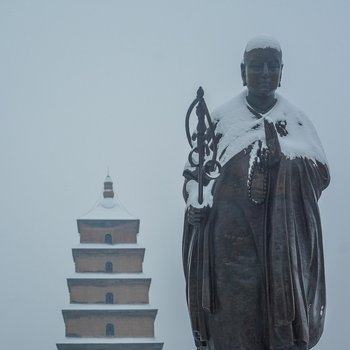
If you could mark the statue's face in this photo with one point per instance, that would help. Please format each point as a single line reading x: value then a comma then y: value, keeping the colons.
x: 262, y: 71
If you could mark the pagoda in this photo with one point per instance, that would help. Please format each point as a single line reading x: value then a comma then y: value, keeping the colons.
x: 109, y: 294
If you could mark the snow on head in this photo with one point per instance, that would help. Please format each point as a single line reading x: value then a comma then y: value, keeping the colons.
x: 263, y: 42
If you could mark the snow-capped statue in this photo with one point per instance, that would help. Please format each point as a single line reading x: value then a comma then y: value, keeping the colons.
x: 252, y: 251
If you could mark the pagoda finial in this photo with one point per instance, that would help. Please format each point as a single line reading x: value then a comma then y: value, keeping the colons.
x: 108, y: 187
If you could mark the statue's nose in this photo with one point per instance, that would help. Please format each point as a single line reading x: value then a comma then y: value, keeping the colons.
x: 265, y: 69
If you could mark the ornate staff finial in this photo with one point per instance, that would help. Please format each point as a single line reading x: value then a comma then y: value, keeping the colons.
x: 203, y: 155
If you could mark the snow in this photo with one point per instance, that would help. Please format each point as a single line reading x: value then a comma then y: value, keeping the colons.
x: 263, y: 42
x: 108, y: 209
x: 108, y: 203
x: 192, y: 190
x: 236, y: 124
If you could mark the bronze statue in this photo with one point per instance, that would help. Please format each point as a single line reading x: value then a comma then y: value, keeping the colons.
x: 252, y: 250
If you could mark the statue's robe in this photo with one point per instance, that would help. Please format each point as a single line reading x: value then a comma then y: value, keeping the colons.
x: 254, y: 270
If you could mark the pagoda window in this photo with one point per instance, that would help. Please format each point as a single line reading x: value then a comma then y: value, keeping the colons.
x: 109, y: 266
x: 109, y: 298
x: 109, y: 329
x: 108, y: 238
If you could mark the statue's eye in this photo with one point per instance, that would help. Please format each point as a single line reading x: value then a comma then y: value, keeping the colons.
x: 256, y: 67
x: 274, y: 67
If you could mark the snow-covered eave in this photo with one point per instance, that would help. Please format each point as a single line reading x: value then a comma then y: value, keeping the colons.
x: 103, y: 282
x: 89, y: 220
x: 112, y: 279
x: 97, y: 310
x: 114, y: 340
x: 107, y: 246
x: 110, y: 307
x: 110, y: 343
x: 102, y: 275
x: 110, y: 248
x: 108, y: 251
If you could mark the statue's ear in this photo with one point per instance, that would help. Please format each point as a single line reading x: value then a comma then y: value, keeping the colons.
x: 279, y: 84
x: 244, y: 80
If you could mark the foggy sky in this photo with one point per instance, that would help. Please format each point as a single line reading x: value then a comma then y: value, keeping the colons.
x: 89, y: 84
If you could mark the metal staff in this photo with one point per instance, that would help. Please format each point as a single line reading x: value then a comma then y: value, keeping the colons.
x: 206, y: 143
x: 202, y: 157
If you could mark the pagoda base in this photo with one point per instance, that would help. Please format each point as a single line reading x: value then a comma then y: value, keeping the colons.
x: 111, y: 346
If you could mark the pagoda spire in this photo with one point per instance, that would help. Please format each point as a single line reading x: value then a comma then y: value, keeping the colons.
x: 108, y: 187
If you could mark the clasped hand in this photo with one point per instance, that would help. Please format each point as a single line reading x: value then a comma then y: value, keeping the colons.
x: 272, y: 143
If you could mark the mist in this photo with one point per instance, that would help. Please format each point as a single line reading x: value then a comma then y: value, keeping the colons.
x: 87, y: 85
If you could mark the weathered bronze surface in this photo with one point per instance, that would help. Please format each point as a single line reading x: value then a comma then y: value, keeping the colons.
x: 253, y: 261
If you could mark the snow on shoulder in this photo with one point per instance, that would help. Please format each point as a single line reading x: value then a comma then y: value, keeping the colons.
x: 240, y: 129
x: 263, y: 42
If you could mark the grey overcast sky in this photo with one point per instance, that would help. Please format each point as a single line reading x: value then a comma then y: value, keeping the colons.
x: 86, y: 84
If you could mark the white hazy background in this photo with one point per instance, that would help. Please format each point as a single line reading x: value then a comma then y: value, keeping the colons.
x: 89, y: 84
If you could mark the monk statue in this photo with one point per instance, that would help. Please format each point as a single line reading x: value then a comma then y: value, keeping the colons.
x: 252, y: 250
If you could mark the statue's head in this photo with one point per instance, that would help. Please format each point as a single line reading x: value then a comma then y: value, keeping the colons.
x: 261, y: 68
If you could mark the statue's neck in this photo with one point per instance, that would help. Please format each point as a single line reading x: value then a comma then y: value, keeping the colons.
x: 262, y: 104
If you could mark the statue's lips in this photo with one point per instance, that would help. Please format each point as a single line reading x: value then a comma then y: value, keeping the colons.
x: 264, y: 84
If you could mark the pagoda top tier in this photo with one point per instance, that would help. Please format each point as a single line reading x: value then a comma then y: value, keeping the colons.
x: 108, y: 207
